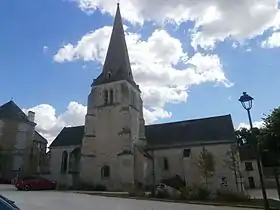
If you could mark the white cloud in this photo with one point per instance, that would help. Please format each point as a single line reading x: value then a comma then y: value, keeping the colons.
x: 256, y: 124
x: 155, y: 114
x: 49, y: 123
x: 215, y: 20
x: 45, y: 48
x: 273, y: 41
x: 154, y: 63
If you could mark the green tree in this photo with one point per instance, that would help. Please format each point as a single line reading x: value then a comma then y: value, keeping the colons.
x: 270, y: 138
x: 242, y: 136
x: 206, y: 164
x: 232, y: 162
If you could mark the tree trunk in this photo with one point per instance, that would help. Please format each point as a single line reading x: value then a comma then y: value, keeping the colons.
x: 236, y: 180
x: 275, y: 170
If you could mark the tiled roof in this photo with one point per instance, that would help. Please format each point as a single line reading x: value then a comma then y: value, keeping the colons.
x: 69, y: 136
x: 11, y: 111
x: 214, y: 130
x: 204, y: 130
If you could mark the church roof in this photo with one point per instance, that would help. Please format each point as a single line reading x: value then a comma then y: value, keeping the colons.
x: 218, y: 129
x: 69, y: 136
x: 117, y: 65
x: 199, y: 131
x: 39, y: 138
x: 11, y: 111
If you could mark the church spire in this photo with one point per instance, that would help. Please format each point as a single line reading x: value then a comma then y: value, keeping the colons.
x: 117, y: 65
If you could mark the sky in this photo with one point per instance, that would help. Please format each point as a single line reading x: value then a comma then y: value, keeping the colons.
x: 191, y: 59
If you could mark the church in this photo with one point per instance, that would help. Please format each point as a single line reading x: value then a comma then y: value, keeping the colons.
x: 116, y: 150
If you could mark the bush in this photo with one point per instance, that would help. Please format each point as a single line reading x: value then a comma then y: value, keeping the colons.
x: 201, y: 193
x: 162, y: 194
x: 196, y: 193
x: 229, y: 196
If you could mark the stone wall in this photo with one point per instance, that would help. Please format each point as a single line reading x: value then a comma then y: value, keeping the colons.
x: 187, y: 167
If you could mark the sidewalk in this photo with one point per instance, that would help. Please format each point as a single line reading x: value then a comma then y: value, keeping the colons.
x: 257, y: 193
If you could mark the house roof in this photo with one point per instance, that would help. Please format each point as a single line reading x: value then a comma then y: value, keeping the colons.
x: 205, y: 130
x: 40, y: 138
x: 213, y: 130
x: 69, y: 136
x: 11, y: 111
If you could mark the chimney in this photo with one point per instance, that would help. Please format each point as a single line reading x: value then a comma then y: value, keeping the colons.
x: 31, y: 116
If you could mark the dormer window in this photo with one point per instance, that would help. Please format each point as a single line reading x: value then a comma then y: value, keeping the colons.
x: 109, y: 75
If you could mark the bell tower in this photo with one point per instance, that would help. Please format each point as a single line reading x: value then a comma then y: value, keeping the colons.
x: 114, y: 119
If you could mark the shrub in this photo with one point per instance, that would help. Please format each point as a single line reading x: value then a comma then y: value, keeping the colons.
x: 196, y: 193
x: 201, y: 193
x: 162, y: 194
x: 230, y: 196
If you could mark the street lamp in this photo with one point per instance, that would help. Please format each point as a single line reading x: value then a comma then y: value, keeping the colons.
x: 246, y: 102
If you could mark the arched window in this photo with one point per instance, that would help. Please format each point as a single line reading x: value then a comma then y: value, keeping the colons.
x: 74, y: 159
x: 105, y: 172
x: 106, y: 95
x: 64, y: 160
x: 111, y: 96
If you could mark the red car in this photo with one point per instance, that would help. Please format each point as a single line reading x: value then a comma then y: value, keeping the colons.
x: 34, y: 183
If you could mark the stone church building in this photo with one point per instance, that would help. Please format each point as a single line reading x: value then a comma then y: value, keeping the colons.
x: 115, y: 149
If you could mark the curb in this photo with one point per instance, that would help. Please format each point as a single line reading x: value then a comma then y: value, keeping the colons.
x: 178, y: 201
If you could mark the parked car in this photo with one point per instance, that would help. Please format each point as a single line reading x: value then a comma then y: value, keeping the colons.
x: 7, y: 204
x: 34, y: 183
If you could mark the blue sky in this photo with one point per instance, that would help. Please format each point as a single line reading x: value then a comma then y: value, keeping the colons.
x: 32, y: 32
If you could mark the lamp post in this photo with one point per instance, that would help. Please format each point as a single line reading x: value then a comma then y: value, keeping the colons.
x: 246, y: 102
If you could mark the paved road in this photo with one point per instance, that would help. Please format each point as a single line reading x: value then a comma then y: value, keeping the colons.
x: 52, y: 200
x: 257, y: 193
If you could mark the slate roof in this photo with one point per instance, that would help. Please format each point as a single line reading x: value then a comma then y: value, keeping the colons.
x: 11, y: 111
x: 117, y: 62
x: 211, y: 130
x: 69, y: 136
x: 204, y: 130
x: 40, y: 138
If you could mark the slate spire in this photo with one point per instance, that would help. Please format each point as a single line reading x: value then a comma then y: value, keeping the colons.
x: 117, y: 65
